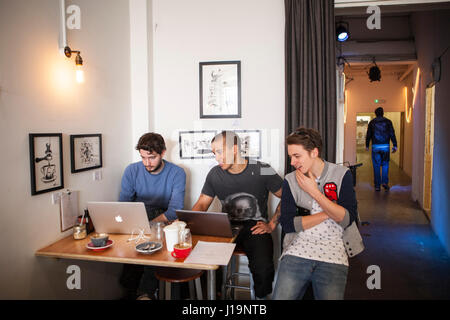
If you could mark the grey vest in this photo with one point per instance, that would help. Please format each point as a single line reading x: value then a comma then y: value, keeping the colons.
x: 332, y: 176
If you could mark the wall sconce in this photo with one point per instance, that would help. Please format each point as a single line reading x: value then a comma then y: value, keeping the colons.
x: 63, y: 47
x: 408, y: 110
x: 78, y: 62
x: 416, y: 87
x: 345, y: 105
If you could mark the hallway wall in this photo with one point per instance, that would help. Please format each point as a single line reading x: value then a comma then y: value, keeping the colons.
x: 432, y: 38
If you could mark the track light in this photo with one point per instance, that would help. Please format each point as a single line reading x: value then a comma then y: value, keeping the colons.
x: 342, y: 32
x: 374, y: 73
x: 78, y: 62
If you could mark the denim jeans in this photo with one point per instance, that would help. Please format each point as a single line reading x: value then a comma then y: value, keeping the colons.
x: 295, y: 273
x: 380, y: 158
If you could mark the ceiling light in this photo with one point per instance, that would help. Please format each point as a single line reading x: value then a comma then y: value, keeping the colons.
x: 374, y: 73
x: 342, y: 32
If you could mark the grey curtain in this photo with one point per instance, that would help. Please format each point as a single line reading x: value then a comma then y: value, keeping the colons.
x: 311, y: 70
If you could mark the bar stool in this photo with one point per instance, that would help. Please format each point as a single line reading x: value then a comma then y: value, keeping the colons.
x: 179, y: 275
x: 230, y: 274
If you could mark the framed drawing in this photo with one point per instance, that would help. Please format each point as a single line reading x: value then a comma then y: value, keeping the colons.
x: 85, y: 152
x: 196, y: 144
x: 46, y: 162
x: 250, y: 143
x: 220, y: 89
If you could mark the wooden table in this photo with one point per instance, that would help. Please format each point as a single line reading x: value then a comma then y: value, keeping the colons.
x: 123, y: 251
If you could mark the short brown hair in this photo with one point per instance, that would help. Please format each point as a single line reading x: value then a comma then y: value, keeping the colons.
x: 306, y: 137
x: 228, y: 136
x: 151, y: 142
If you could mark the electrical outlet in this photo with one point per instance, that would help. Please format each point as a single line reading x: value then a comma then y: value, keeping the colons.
x: 97, y: 175
x: 56, y: 197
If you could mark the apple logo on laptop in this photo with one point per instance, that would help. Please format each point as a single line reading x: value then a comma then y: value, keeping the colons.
x: 118, y: 218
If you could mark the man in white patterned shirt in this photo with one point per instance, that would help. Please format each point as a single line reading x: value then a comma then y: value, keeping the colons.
x: 313, y: 248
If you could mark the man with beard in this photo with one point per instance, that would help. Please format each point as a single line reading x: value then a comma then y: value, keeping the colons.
x: 243, y: 187
x: 160, y: 185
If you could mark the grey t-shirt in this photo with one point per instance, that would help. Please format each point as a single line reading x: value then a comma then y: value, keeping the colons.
x: 243, y: 195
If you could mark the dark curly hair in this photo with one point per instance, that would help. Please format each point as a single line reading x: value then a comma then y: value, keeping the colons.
x: 306, y: 137
x: 151, y: 142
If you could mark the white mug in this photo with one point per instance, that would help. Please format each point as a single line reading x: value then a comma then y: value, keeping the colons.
x: 171, y: 232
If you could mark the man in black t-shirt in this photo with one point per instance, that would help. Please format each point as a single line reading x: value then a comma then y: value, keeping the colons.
x: 243, y: 189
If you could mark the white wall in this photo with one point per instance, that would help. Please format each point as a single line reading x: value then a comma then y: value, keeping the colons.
x: 251, y: 31
x: 38, y: 93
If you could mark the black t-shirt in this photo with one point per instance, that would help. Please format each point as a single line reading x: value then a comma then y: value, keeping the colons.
x: 243, y: 195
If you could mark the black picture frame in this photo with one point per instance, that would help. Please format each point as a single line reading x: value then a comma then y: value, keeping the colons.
x: 46, y: 162
x: 220, y: 89
x: 250, y: 143
x: 196, y: 144
x: 85, y: 152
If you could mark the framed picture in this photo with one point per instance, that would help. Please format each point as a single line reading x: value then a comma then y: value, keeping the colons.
x: 196, y: 144
x: 250, y: 143
x: 85, y: 152
x: 220, y: 89
x: 46, y: 162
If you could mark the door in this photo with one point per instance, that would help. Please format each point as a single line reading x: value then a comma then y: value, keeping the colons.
x: 428, y: 154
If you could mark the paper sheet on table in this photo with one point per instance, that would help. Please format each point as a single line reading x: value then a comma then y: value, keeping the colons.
x: 216, y: 253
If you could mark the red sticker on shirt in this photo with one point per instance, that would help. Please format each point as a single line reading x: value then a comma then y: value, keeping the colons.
x: 330, y: 190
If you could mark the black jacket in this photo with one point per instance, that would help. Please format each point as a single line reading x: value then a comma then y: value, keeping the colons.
x: 380, y: 131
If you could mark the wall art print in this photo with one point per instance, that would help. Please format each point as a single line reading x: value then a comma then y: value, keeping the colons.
x: 46, y: 162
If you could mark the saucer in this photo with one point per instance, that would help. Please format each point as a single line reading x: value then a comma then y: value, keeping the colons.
x: 90, y: 246
x: 151, y: 245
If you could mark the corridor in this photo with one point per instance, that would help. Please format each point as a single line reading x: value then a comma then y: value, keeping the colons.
x: 399, y: 240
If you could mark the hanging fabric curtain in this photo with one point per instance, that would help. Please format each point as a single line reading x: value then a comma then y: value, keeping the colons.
x: 311, y: 70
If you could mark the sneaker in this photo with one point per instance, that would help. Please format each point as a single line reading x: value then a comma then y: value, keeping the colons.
x: 386, y: 187
x: 377, y: 188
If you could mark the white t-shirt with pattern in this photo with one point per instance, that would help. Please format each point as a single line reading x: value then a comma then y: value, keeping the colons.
x: 322, y: 242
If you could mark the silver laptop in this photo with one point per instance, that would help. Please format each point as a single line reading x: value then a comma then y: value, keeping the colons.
x: 207, y: 223
x: 119, y: 217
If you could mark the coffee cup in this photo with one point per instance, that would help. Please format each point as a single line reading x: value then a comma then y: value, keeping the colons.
x: 181, y: 250
x: 171, y: 235
x: 99, y: 239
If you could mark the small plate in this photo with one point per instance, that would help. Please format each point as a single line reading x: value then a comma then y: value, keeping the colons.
x: 90, y: 246
x: 148, y: 247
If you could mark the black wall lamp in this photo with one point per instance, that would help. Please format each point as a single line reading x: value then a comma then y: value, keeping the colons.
x: 78, y: 62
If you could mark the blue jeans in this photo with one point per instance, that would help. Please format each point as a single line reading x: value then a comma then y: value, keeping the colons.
x: 294, y: 274
x: 380, y: 158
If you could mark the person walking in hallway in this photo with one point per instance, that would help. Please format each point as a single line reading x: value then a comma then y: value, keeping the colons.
x: 381, y: 132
